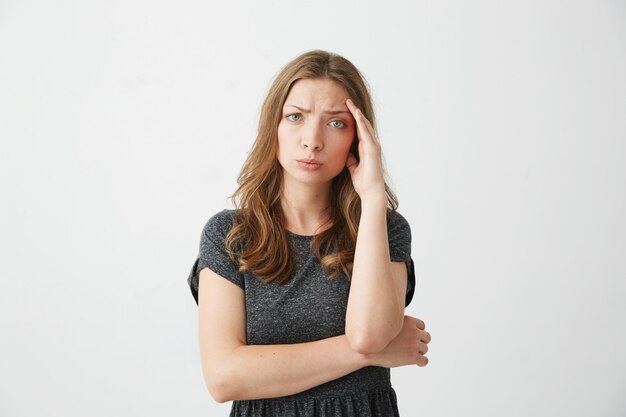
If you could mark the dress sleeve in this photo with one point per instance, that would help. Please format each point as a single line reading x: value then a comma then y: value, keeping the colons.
x: 399, y: 234
x: 212, y: 253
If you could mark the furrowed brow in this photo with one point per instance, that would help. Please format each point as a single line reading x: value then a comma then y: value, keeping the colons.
x: 303, y: 110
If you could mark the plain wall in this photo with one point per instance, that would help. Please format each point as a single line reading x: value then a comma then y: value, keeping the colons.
x: 123, y: 126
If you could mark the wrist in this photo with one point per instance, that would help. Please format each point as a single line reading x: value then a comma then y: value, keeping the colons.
x: 369, y: 359
x: 365, y: 359
x: 374, y: 198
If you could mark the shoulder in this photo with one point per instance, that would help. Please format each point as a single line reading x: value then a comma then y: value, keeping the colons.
x: 220, y: 223
x: 399, y: 234
x: 396, y: 223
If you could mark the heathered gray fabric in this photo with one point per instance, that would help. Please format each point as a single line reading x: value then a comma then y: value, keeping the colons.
x: 309, y: 307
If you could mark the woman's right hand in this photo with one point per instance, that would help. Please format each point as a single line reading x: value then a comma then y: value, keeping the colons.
x: 407, y: 348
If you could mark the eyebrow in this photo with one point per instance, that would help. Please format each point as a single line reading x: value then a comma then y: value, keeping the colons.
x: 303, y: 110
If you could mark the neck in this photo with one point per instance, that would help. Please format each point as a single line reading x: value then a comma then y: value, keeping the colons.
x: 306, y: 209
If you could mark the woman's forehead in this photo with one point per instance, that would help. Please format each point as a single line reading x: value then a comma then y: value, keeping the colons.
x: 317, y: 90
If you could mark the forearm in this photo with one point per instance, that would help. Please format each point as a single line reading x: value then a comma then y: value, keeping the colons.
x: 266, y: 371
x: 373, y: 316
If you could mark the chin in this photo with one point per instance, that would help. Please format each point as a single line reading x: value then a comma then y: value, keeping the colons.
x: 310, y: 179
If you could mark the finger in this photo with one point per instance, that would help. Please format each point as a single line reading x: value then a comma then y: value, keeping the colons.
x: 351, y: 106
x: 354, y: 111
x: 363, y: 130
x: 420, y: 324
x: 361, y: 119
x: 422, y: 361
x: 423, y: 348
x: 369, y: 126
x: 425, y: 337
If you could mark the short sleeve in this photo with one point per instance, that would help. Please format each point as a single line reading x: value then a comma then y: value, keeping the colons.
x: 399, y: 234
x: 212, y: 253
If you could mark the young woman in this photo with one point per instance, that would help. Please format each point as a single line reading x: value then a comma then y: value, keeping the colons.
x: 302, y: 288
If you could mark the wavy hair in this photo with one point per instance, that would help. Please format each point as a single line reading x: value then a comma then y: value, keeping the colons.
x: 257, y: 240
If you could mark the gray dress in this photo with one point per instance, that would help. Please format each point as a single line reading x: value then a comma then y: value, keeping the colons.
x: 308, y: 307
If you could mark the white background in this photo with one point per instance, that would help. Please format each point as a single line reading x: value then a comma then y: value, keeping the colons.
x: 124, y: 124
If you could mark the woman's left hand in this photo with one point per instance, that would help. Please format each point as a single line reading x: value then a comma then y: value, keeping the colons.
x: 367, y: 174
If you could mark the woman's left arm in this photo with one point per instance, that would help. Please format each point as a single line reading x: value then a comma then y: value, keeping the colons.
x: 375, y: 311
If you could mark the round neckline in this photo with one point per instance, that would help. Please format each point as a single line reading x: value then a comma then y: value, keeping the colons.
x: 299, y: 236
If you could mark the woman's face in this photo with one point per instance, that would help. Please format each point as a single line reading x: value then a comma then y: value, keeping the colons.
x: 315, y: 131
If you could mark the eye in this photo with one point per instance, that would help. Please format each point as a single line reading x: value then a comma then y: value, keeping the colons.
x: 290, y: 117
x: 338, y: 123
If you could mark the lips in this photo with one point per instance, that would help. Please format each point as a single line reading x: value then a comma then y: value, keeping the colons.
x: 309, y: 164
x: 310, y: 161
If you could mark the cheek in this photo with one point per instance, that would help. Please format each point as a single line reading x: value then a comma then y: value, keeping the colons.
x: 282, y: 141
x: 280, y: 132
x: 342, y: 149
x: 349, y: 143
x: 346, y: 148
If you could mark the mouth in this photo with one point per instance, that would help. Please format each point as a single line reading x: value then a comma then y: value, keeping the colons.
x: 309, y: 164
x: 309, y: 161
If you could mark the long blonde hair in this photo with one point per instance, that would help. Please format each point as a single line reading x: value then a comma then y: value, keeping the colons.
x: 258, y: 241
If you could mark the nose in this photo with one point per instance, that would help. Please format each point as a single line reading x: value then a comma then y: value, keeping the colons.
x: 312, y: 138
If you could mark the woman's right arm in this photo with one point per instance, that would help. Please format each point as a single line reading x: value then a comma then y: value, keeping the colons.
x: 236, y: 371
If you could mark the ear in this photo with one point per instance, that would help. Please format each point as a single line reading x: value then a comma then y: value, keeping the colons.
x: 351, y: 163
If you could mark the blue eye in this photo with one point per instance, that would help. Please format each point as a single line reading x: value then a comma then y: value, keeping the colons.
x: 289, y: 117
x: 339, y: 125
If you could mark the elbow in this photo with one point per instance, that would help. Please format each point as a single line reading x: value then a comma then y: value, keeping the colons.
x: 369, y: 342
x: 367, y: 345
x: 218, y: 386
x: 219, y: 395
